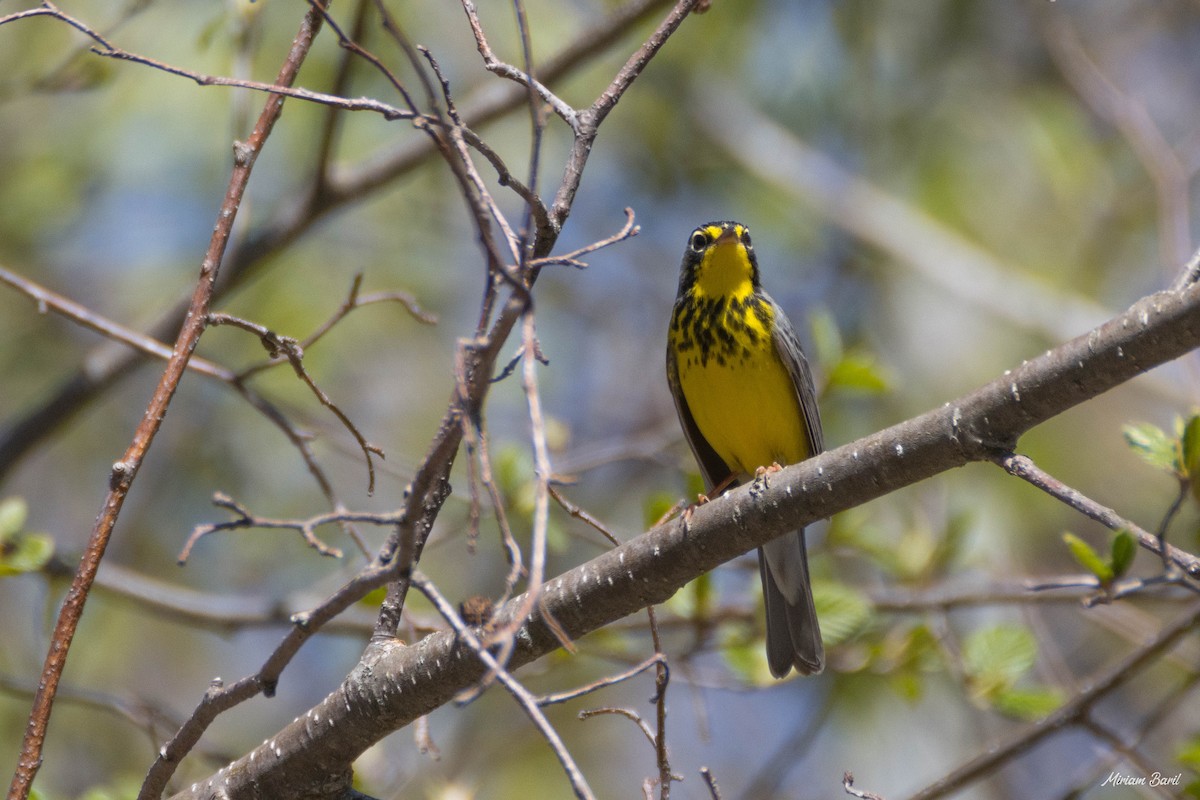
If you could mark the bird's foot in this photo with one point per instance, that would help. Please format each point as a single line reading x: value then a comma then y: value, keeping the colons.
x: 762, y: 478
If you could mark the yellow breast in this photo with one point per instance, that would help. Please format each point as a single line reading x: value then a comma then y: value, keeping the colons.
x: 746, y: 408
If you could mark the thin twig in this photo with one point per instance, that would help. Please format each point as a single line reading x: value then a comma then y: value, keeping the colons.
x: 387, y: 111
x: 1024, y: 468
x: 1189, y: 274
x: 289, y: 349
x: 49, y: 9
x: 495, y: 65
x: 848, y: 786
x: 574, y: 258
x: 522, y: 695
x: 48, y: 300
x: 591, y: 117
x: 628, y: 713
x: 602, y: 683
x: 244, y: 519
x: 353, y: 185
x: 583, y: 515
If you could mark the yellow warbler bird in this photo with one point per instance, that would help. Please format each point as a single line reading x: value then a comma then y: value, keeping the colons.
x: 745, y: 397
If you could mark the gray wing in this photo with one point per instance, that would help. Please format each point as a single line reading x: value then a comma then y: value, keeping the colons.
x: 793, y: 634
x: 788, y: 347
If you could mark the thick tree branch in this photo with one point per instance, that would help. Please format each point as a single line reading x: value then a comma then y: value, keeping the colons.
x: 395, y: 685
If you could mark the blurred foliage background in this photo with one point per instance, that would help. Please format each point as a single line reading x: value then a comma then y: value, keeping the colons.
x: 940, y: 188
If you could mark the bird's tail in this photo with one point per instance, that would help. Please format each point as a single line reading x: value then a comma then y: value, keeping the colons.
x: 793, y: 634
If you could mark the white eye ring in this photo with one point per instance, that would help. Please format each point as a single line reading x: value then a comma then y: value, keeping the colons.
x: 698, y: 242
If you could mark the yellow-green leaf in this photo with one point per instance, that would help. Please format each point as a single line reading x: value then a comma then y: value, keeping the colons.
x: 656, y: 506
x: 1027, y: 704
x: 26, y: 552
x: 13, y: 513
x: 1123, y: 551
x: 1190, y: 453
x: 1088, y: 558
x: 858, y: 372
x: 843, y: 611
x: 1153, y: 445
x: 995, y: 658
x: 1188, y: 753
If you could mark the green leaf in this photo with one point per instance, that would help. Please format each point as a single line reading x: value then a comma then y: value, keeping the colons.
x: 857, y: 372
x: 995, y: 658
x: 1154, y: 446
x: 843, y: 611
x: 827, y: 341
x: 950, y: 544
x: 1190, y: 453
x: 1188, y: 753
x: 1123, y: 550
x: 1088, y: 558
x: 655, y: 507
x: 915, y: 552
x: 1027, y: 704
x: 374, y: 598
x: 746, y: 658
x: 13, y: 513
x: 694, y: 600
x: 27, y: 552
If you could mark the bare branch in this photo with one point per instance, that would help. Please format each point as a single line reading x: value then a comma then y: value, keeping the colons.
x: 603, y: 683
x: 1024, y: 468
x: 573, y: 258
x: 714, y: 791
x: 522, y: 695
x: 650, y: 568
x: 48, y: 300
x: 244, y: 519
x: 289, y: 349
x: 591, y: 117
x: 510, y: 72
x: 328, y: 194
x: 388, y: 112
x: 848, y: 786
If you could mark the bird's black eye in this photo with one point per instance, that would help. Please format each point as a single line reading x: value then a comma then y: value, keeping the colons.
x: 698, y: 242
x: 746, y: 238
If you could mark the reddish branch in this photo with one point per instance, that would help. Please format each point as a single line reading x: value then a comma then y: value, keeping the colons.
x: 125, y: 470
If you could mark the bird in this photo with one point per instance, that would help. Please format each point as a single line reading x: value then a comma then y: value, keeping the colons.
x: 744, y: 393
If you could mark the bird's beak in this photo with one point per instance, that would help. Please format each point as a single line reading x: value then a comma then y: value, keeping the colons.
x: 728, y: 236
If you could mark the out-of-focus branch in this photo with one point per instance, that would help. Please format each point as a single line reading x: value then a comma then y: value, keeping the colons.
x: 1129, y: 116
x: 907, y: 234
